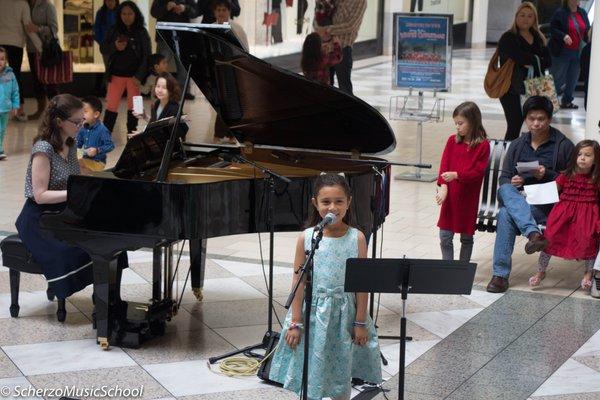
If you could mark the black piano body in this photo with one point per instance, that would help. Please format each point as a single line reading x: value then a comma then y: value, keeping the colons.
x: 294, y: 126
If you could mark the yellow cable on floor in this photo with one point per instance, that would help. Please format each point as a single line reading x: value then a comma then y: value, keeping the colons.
x: 241, y: 365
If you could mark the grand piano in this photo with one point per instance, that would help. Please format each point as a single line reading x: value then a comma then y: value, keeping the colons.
x: 294, y: 126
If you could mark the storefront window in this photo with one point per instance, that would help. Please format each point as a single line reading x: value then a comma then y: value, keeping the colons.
x: 78, y: 17
x: 280, y: 26
x: 458, y: 8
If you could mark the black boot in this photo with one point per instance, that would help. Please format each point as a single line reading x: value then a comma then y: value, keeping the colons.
x: 110, y: 118
x: 132, y: 121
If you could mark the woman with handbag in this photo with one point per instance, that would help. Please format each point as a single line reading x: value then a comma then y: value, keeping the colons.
x: 44, y: 24
x: 521, y: 44
x: 127, y: 46
x: 569, y: 33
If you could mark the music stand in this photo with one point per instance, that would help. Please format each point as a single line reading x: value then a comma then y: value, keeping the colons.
x: 406, y: 275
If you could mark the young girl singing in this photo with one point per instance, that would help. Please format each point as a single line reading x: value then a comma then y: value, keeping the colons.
x: 343, y: 341
x: 462, y: 168
x: 572, y: 226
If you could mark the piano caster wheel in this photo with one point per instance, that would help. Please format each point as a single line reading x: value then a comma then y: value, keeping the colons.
x: 50, y: 294
x: 103, y: 342
x: 61, y: 315
x: 198, y: 293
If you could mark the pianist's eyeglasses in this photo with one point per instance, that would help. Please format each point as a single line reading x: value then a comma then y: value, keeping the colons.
x: 78, y: 123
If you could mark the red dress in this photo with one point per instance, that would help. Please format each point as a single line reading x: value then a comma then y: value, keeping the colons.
x: 572, y: 224
x: 459, y: 210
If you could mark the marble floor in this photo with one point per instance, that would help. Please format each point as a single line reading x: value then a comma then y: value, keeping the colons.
x: 545, y: 341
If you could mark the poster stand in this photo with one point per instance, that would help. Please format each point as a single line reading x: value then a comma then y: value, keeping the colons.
x: 420, y: 109
x: 422, y: 61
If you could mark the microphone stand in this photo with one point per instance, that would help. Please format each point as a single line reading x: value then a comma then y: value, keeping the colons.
x: 306, y: 272
x: 270, y: 177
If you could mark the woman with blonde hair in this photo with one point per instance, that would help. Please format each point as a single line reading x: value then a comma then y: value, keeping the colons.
x: 525, y: 45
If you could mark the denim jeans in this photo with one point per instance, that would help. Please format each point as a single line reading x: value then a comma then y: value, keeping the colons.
x: 565, y: 70
x: 515, y: 217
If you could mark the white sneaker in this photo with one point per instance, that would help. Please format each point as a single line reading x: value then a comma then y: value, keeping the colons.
x: 2, y: 156
x: 595, y: 289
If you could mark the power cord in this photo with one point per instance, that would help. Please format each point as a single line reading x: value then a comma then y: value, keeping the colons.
x: 237, y: 366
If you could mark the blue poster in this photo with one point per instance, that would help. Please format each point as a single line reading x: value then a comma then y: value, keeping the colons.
x: 422, y: 51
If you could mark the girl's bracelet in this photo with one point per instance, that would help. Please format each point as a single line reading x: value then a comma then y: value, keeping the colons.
x: 294, y: 325
x: 357, y: 323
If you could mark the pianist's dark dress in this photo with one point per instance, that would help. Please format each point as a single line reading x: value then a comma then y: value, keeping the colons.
x: 68, y: 269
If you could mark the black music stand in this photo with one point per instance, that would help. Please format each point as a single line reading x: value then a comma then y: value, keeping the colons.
x: 406, y: 275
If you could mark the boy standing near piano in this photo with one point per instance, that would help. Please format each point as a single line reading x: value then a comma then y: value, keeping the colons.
x: 93, y: 138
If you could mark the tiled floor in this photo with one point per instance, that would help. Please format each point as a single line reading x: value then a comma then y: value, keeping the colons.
x: 37, y: 350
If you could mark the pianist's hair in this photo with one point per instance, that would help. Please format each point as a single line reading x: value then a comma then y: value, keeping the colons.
x: 469, y: 111
x: 61, y: 107
x: 326, y: 180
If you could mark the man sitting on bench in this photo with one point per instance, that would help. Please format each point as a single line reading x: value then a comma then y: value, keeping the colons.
x: 552, y: 150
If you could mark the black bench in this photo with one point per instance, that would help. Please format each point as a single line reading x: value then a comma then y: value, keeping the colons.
x: 17, y: 259
x: 488, y: 207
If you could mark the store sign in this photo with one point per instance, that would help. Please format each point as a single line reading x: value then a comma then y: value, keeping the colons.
x: 422, y: 51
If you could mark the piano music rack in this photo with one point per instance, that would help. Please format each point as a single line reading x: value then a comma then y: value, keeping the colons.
x: 420, y: 109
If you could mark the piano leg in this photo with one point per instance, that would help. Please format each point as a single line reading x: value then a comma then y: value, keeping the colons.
x: 197, y: 265
x: 106, y: 296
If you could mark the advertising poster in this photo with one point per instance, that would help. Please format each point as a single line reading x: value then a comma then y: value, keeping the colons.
x: 422, y: 51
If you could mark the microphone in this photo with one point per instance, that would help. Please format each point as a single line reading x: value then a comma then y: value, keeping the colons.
x: 329, y: 219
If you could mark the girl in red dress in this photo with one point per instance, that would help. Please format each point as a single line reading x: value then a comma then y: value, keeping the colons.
x: 462, y: 168
x: 572, y: 227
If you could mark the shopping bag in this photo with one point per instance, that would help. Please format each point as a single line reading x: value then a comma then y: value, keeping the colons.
x: 541, y: 86
x: 56, y: 74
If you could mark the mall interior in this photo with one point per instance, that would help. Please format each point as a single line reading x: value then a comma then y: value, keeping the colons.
x: 529, y: 342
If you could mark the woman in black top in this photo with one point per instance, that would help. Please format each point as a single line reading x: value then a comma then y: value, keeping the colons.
x: 522, y: 43
x: 127, y: 46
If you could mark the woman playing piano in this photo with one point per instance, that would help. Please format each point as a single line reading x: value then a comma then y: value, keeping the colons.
x: 53, y: 158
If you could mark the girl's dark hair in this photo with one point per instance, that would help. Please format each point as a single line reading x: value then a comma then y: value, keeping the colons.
x: 172, y: 86
x: 326, y: 180
x: 469, y: 111
x: 311, y: 52
x: 3, y: 50
x: 139, y: 22
x: 60, y: 108
x: 572, y: 166
x: 103, y: 12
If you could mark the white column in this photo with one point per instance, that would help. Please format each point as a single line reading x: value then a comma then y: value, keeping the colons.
x: 389, y: 8
x: 592, y: 115
x: 479, y: 24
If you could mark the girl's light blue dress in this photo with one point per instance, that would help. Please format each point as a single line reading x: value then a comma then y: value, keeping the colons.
x: 333, y: 358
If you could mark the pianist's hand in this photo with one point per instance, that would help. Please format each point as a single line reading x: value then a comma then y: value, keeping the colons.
x: 441, y: 194
x: 171, y: 5
x: 91, y: 151
x: 120, y: 45
x: 292, y: 337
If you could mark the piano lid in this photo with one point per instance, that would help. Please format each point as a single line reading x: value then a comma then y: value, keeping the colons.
x: 268, y: 106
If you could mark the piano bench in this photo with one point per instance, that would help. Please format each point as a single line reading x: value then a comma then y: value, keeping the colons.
x: 17, y: 259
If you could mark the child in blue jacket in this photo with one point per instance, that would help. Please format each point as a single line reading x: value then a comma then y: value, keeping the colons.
x: 9, y: 96
x: 94, y: 138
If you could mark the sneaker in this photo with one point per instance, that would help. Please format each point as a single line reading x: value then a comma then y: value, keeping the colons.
x: 2, y: 156
x: 595, y: 290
